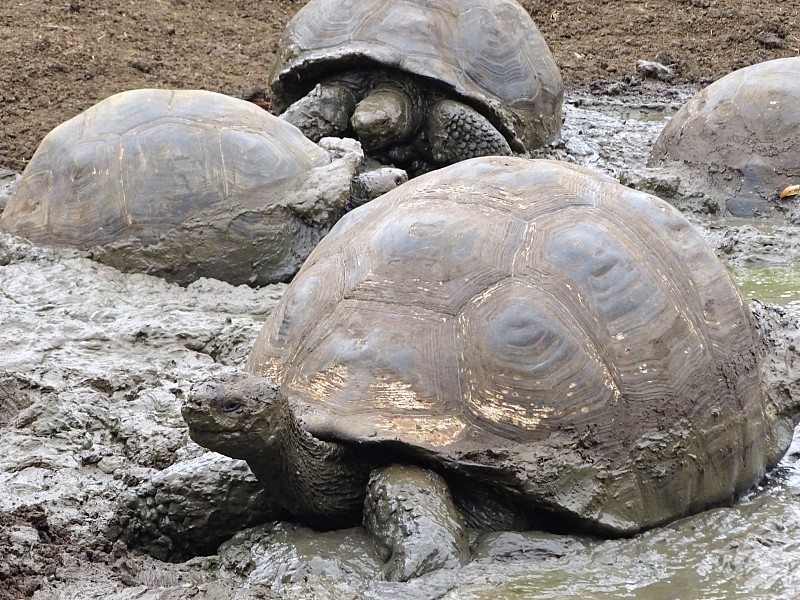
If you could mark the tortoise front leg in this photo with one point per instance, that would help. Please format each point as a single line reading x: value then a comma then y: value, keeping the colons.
x: 457, y: 132
x: 410, y: 514
x: 323, y: 112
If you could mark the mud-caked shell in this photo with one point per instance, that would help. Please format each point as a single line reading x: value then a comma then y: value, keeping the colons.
x: 181, y: 184
x: 488, y: 52
x: 737, y: 139
x: 536, y: 325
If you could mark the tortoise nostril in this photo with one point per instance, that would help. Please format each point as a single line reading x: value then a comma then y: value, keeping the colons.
x: 193, y: 401
x: 204, y: 393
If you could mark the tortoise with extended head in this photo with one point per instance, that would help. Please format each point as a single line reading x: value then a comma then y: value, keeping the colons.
x: 735, y: 141
x: 567, y: 352
x: 187, y: 184
x: 419, y: 83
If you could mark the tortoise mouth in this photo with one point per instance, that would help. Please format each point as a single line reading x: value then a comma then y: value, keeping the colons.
x: 212, y: 439
x: 224, y: 441
x: 205, y: 430
x: 213, y: 431
x: 202, y: 421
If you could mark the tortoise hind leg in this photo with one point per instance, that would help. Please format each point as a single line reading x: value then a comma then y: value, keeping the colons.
x: 323, y: 112
x: 457, y: 132
x: 410, y: 514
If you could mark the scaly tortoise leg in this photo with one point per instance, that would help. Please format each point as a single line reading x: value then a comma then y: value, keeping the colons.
x: 410, y: 514
x: 457, y: 132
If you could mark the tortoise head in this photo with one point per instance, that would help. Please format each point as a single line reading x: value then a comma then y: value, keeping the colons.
x: 385, y: 118
x: 237, y: 414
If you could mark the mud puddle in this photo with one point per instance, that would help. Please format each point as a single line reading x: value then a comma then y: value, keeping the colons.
x: 94, y: 365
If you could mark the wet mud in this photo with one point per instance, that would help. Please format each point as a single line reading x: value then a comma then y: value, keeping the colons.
x: 93, y: 450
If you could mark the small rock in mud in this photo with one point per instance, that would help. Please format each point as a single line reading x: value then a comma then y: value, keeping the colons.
x: 282, y: 556
x: 512, y: 545
x: 654, y: 70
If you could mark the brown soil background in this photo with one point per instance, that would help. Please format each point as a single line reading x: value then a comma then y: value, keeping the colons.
x: 58, y: 57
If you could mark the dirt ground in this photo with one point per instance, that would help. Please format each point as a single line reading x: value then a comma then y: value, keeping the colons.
x: 61, y: 56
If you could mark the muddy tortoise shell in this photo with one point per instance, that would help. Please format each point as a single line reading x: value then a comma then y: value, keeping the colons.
x: 738, y: 137
x: 177, y: 183
x: 487, y: 52
x: 536, y: 325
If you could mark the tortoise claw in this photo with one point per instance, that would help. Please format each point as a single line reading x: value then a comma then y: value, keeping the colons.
x: 792, y: 190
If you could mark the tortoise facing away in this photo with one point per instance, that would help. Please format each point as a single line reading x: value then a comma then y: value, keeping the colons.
x: 736, y: 140
x: 419, y: 83
x: 566, y: 352
x: 186, y: 184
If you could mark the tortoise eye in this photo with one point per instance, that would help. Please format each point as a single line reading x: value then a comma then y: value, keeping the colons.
x: 231, y: 406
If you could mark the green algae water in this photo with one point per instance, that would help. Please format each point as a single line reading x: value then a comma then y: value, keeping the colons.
x: 778, y: 285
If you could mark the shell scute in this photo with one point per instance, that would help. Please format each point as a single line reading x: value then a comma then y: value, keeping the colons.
x: 458, y: 251
x: 528, y: 364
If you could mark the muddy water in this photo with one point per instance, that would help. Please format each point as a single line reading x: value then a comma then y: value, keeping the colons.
x: 94, y: 365
x: 779, y: 284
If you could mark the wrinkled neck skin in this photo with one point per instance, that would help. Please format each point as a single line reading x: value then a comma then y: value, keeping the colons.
x: 321, y: 483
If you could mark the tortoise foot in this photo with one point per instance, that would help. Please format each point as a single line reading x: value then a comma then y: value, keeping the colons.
x: 410, y: 514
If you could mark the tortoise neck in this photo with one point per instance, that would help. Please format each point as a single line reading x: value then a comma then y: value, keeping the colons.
x: 322, y: 483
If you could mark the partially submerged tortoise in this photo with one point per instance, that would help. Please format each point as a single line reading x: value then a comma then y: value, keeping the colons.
x: 567, y: 352
x: 187, y: 184
x: 736, y: 140
x: 419, y: 83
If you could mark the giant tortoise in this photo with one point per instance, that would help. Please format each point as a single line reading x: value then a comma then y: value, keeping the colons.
x: 735, y: 142
x: 186, y: 184
x: 560, y: 348
x: 419, y: 83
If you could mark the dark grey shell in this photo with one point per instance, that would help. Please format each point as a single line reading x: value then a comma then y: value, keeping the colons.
x: 488, y: 52
x: 737, y: 139
x: 534, y: 324
x: 181, y: 184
